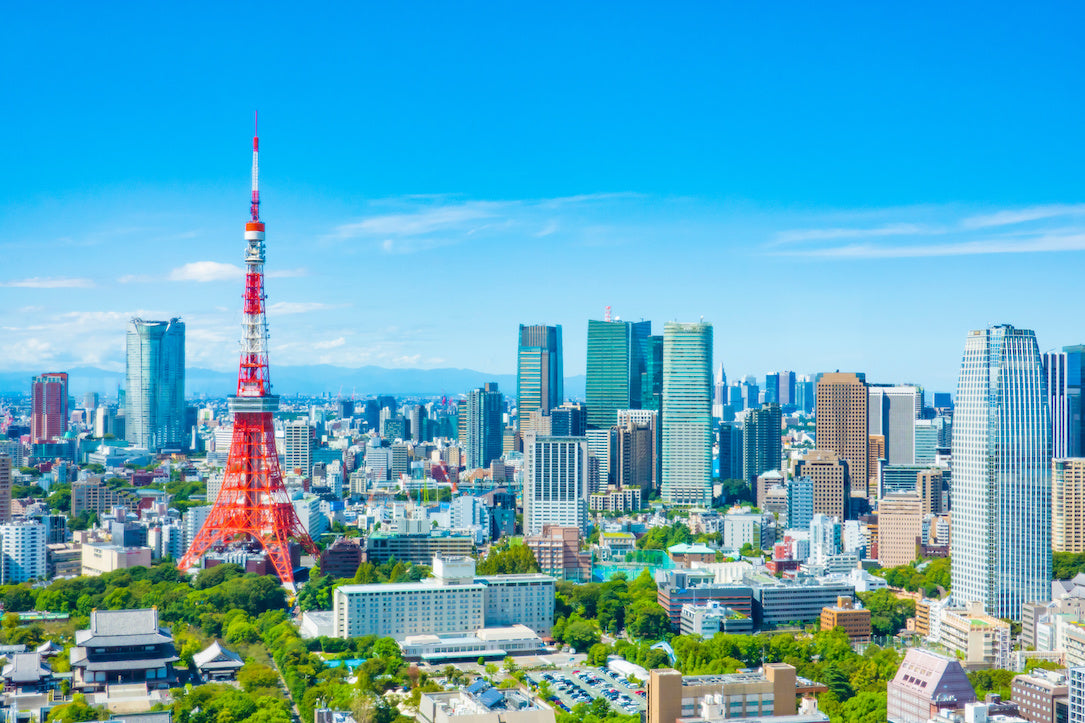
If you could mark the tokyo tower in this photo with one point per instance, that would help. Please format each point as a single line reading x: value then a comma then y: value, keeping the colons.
x: 253, y: 503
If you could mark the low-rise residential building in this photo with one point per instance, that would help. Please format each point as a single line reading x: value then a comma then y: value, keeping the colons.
x: 1041, y: 696
x: 101, y: 558
x: 926, y: 684
x: 557, y: 550
x: 621, y: 499
x: 855, y: 621
x: 982, y: 639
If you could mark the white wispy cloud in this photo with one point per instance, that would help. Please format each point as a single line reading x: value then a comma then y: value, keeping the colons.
x: 1040, y: 244
x: 1023, y: 215
x: 420, y: 222
x: 39, y: 282
x: 203, y: 271
x: 829, y: 234
x: 330, y: 343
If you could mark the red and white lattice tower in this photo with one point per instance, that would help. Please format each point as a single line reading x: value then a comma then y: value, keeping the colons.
x: 253, y: 503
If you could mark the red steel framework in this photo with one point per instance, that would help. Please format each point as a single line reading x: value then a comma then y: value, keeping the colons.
x: 253, y: 503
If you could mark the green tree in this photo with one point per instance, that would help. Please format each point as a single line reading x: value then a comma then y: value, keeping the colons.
x: 515, y: 559
x: 597, y: 655
x: 581, y: 635
x: 76, y: 711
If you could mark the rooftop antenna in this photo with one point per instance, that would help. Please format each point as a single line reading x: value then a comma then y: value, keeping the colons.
x: 606, y: 315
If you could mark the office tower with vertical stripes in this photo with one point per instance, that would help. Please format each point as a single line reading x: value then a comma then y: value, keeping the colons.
x: 841, y: 424
x: 616, y: 366
x: 687, y: 413
x: 1064, y: 400
x: 555, y: 483
x: 1001, y: 485
x: 539, y: 375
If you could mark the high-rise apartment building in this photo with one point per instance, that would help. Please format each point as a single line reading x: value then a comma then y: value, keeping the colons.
x: 485, y: 425
x: 555, y: 483
x: 634, y: 453
x: 1067, y: 505
x: 298, y: 443
x: 5, y: 488
x: 539, y: 376
x: 616, y: 367
x: 49, y: 407
x: 892, y: 412
x: 1063, y: 400
x: 155, y: 384
x: 1001, y: 543
x: 687, y: 413
x: 22, y: 548
x: 842, y: 424
x: 762, y: 444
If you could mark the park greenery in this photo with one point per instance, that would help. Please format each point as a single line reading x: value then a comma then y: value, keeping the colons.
x: 931, y: 577
x: 1065, y: 565
x: 316, y: 593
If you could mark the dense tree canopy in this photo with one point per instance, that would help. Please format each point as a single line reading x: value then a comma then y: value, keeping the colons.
x: 931, y: 577
x: 510, y: 560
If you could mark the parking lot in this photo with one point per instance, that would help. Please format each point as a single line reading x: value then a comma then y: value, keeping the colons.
x: 571, y: 686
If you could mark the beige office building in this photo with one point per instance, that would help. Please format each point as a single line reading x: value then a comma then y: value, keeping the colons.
x: 900, y: 522
x: 875, y: 454
x: 842, y: 423
x: 1068, y: 505
x: 830, y: 476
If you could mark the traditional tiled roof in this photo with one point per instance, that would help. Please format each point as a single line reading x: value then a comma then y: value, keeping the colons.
x: 216, y: 656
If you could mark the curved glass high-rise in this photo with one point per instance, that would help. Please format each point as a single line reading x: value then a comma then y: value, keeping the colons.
x: 154, y: 407
x: 1001, y: 543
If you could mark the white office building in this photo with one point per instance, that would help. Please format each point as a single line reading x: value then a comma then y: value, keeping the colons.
x: 687, y: 414
x: 1001, y: 542
x: 555, y: 483
x: 453, y: 601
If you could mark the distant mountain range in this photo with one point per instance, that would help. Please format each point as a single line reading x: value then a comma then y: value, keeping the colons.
x: 305, y: 380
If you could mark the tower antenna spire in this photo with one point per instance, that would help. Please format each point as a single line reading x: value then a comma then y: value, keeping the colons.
x: 255, y: 208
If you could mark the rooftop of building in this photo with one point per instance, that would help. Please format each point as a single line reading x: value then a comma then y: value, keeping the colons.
x: 111, y: 628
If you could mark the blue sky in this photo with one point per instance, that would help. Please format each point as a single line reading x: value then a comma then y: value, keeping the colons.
x: 849, y: 186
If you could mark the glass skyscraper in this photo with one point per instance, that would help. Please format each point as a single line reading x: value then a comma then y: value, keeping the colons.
x: 687, y: 413
x: 154, y: 406
x: 1001, y: 543
x: 617, y: 361
x: 539, y: 375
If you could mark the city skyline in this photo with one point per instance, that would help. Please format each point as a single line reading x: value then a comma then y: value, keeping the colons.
x: 729, y: 167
